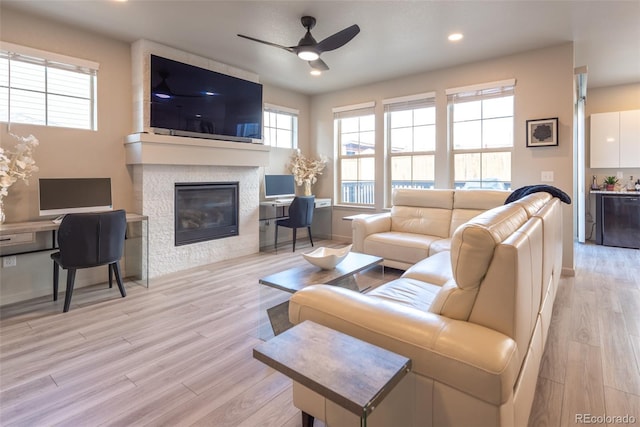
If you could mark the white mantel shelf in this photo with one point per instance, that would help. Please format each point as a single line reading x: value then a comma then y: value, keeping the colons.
x: 154, y: 149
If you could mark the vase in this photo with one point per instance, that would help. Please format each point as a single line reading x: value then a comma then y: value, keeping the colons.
x: 306, y: 187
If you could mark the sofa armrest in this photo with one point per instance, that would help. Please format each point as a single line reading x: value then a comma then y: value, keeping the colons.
x: 472, y: 358
x: 364, y: 226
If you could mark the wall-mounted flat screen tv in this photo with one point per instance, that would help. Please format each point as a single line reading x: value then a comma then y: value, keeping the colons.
x: 191, y: 101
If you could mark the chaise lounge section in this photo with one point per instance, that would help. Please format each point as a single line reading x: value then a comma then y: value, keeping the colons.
x: 473, y: 319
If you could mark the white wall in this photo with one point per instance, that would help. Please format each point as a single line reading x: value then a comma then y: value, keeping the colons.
x: 544, y: 89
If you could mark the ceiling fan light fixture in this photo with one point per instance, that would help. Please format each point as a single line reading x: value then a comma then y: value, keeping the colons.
x: 308, y: 54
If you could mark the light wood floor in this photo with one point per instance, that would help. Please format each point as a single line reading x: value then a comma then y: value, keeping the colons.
x: 179, y: 353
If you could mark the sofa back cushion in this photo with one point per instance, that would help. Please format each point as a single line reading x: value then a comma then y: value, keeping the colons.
x: 479, y: 199
x: 551, y: 216
x: 509, y: 297
x: 472, y: 250
x: 532, y: 203
x: 470, y: 203
x: 422, y: 211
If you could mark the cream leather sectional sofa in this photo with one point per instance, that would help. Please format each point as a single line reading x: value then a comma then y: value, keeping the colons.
x: 473, y: 319
x: 420, y: 223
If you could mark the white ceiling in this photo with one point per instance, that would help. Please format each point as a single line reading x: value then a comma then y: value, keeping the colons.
x: 397, y: 38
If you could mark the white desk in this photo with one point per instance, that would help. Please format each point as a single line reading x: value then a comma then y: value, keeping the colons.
x: 270, y: 211
x: 266, y: 214
x: 19, y: 238
x: 318, y: 203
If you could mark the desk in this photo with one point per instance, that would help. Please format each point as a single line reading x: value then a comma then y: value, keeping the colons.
x: 264, y: 206
x: 19, y: 238
x: 271, y: 211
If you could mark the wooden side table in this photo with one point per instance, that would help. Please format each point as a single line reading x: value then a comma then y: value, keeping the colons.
x: 349, y: 372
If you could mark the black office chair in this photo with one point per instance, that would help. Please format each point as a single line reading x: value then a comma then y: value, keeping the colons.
x: 300, y: 215
x: 89, y: 240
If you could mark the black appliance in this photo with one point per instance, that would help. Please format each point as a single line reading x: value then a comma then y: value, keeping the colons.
x: 618, y: 220
x: 191, y: 101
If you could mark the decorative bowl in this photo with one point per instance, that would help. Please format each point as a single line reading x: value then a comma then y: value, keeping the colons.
x: 327, y: 258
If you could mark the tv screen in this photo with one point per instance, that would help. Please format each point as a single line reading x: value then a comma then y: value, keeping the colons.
x: 60, y: 196
x: 279, y: 186
x: 192, y: 101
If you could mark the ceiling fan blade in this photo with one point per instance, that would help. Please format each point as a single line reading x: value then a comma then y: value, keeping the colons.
x: 288, y: 49
x: 319, y: 64
x: 339, y: 39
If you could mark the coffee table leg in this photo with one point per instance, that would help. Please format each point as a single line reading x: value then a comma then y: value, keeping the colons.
x: 307, y: 420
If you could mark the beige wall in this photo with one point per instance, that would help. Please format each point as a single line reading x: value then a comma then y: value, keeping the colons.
x: 603, y: 100
x: 81, y: 153
x: 544, y: 89
x: 74, y: 152
x: 68, y: 152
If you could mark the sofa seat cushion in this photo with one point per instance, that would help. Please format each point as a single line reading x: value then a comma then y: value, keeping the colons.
x: 471, y: 358
x: 396, y: 245
x: 435, y: 270
x: 407, y: 292
x: 442, y: 245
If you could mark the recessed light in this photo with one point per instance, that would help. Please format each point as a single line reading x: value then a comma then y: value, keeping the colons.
x: 315, y: 72
x: 455, y: 37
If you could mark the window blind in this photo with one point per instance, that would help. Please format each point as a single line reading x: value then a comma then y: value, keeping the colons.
x: 481, y: 91
x: 411, y: 102
x: 356, y: 110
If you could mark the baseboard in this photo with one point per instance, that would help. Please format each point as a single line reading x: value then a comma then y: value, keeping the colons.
x: 569, y: 272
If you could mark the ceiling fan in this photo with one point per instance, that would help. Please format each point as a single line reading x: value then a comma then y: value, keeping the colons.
x: 309, y: 49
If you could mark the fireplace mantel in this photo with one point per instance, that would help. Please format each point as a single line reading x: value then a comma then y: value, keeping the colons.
x: 155, y: 149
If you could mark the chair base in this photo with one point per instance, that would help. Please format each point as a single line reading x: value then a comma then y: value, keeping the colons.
x: 294, y: 238
x: 114, y: 269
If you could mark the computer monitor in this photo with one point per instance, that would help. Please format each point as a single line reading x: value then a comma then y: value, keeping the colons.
x: 278, y: 186
x: 60, y: 196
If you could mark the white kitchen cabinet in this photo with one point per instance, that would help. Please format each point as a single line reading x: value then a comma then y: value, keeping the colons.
x: 615, y: 139
x: 630, y: 139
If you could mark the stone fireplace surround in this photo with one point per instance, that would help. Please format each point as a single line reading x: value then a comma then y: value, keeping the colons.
x: 154, y: 193
x: 160, y: 161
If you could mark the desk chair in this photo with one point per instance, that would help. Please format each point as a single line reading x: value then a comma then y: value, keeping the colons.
x: 89, y: 240
x: 300, y: 215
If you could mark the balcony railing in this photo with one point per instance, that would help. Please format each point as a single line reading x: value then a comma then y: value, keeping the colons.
x: 362, y: 192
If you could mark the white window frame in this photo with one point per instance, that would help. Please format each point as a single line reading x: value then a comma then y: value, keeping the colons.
x: 477, y: 92
x: 406, y: 103
x: 293, y: 114
x: 339, y: 113
x: 49, y: 60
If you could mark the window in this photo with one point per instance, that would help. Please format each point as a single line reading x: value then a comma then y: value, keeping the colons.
x: 410, y: 137
x: 280, y: 126
x: 48, y: 89
x: 481, y: 134
x: 355, y: 144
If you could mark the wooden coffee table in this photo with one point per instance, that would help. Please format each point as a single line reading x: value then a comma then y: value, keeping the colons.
x: 296, y: 278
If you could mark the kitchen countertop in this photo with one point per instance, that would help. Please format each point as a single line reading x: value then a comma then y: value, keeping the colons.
x: 617, y: 193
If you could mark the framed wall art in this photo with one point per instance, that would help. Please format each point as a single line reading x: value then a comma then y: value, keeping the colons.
x: 542, y: 132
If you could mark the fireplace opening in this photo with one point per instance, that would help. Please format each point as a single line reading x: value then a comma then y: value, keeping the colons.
x: 205, y: 211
